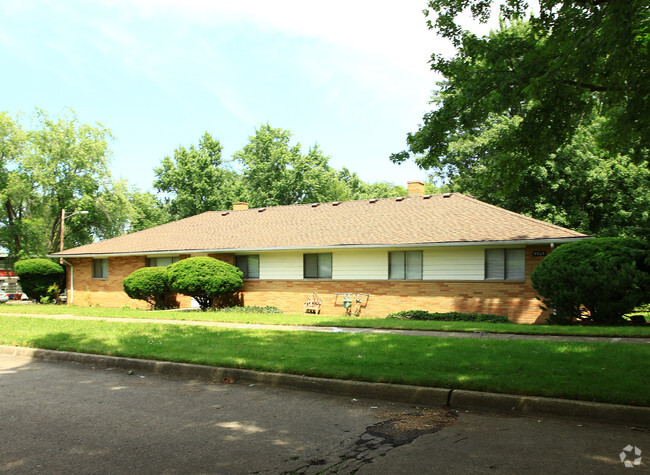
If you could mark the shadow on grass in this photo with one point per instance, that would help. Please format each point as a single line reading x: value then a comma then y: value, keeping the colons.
x: 588, y: 371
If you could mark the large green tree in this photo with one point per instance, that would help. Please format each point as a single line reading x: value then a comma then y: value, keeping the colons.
x: 146, y: 211
x: 518, y: 119
x: 357, y: 189
x: 571, y: 56
x: 60, y: 164
x: 271, y: 172
x: 197, y: 179
x: 580, y: 185
x: 278, y: 173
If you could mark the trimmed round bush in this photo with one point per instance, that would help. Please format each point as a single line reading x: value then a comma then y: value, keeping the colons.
x: 595, y: 280
x: 204, y: 278
x: 37, y: 276
x: 150, y: 284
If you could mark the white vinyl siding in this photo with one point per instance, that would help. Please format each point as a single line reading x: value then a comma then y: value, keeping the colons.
x: 445, y: 263
x: 285, y: 265
x: 453, y: 263
x: 360, y: 264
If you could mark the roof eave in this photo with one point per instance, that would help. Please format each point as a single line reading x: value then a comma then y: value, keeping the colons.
x: 512, y: 242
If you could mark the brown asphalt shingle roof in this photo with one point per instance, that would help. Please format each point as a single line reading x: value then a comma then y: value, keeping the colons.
x: 438, y: 219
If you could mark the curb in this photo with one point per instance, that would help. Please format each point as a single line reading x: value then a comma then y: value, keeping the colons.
x: 455, y: 398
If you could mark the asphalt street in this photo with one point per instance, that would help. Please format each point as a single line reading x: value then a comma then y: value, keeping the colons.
x: 61, y: 417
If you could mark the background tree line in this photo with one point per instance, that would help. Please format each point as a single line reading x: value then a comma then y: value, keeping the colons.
x: 62, y: 164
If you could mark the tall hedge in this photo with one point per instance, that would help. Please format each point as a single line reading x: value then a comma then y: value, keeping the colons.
x: 150, y: 284
x: 37, y: 275
x: 204, y: 279
x: 598, y: 280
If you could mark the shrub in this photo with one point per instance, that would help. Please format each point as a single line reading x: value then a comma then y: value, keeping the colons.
x: 204, y: 278
x: 53, y: 292
x: 150, y: 284
x: 37, y: 276
x: 449, y: 316
x: 250, y: 309
x: 596, y: 280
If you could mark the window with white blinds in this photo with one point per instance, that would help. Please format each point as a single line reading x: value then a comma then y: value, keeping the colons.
x: 249, y: 265
x: 505, y: 264
x: 160, y: 261
x: 100, y: 268
x: 317, y: 266
x: 405, y: 265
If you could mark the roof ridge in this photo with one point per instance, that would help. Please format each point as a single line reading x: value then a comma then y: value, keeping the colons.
x: 519, y: 215
x: 321, y: 203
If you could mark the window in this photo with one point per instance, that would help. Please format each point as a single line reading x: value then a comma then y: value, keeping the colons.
x: 318, y: 266
x: 160, y: 261
x: 505, y: 264
x: 100, y: 268
x: 249, y: 265
x: 405, y: 265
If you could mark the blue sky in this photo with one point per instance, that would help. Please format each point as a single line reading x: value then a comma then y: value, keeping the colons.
x: 350, y: 76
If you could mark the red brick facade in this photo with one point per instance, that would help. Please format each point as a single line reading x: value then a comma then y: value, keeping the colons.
x: 517, y: 300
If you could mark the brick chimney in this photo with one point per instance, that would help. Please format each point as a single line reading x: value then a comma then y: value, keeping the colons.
x: 239, y: 205
x: 416, y: 188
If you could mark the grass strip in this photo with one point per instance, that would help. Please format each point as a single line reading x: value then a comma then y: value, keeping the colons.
x: 323, y: 320
x: 604, y: 372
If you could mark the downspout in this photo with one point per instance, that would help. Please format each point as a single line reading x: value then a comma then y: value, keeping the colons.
x: 71, y: 293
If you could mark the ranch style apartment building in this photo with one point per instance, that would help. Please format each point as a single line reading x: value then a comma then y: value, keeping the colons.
x: 444, y: 252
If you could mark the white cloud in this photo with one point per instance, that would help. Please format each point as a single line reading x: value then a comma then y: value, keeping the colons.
x: 395, y: 31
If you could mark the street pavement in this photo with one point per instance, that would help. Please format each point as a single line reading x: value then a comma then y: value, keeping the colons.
x: 62, y: 417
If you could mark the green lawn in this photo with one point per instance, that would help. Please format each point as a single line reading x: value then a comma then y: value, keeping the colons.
x: 605, y: 372
x: 320, y: 320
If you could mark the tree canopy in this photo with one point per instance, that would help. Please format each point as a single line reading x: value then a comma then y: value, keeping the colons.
x: 268, y: 171
x: 58, y: 165
x: 196, y: 180
x: 547, y: 116
x: 560, y: 63
x: 277, y: 173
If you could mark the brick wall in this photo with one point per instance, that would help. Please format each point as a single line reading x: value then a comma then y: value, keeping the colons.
x: 90, y: 292
x: 513, y: 299
x: 516, y: 300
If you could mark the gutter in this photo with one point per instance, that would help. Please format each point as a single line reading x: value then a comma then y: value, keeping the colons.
x: 71, y: 293
x: 518, y: 242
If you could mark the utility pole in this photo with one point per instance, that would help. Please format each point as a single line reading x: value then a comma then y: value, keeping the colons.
x: 63, y: 218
